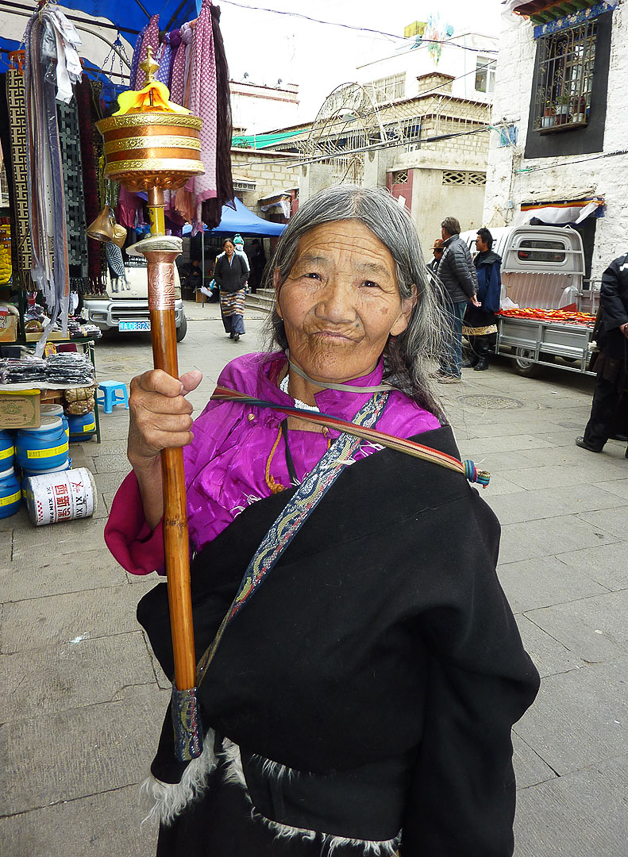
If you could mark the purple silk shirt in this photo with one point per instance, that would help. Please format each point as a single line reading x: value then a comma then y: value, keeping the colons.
x: 225, y: 465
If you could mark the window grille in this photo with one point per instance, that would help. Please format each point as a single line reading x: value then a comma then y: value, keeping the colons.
x: 461, y: 177
x: 485, y: 74
x: 564, y: 78
x: 388, y: 88
x: 401, y: 177
x: 541, y: 250
x: 454, y: 177
x: 476, y: 179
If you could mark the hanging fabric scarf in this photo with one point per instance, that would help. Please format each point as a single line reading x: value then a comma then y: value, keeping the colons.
x: 151, y: 37
x: 23, y: 259
x: 212, y: 208
x: 89, y: 163
x: 181, y: 67
x: 45, y: 173
x: 203, y: 103
x: 135, y: 59
x: 165, y: 62
x: 76, y: 227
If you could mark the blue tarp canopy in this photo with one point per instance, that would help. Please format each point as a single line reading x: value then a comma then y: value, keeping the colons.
x: 129, y: 16
x: 243, y: 220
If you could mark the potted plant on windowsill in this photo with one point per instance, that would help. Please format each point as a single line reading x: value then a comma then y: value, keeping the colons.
x: 547, y: 120
x: 579, y: 109
x: 562, y: 110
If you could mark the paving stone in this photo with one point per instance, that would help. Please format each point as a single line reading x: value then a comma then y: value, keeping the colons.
x: 500, y: 462
x: 613, y: 521
x: 110, y: 482
x: 530, y: 769
x: 57, y: 619
x: 549, y: 655
x: 619, y: 487
x: 52, y: 574
x: 550, y: 475
x: 14, y: 522
x: 72, y: 675
x: 102, y: 825
x: 534, y: 583
x: 530, y: 539
x: 593, y: 628
x: 606, y: 564
x: 552, y: 502
x: 579, y: 815
x: 505, y: 443
x: 67, y: 537
x: 592, y: 462
x: 579, y: 717
x: 96, y: 748
x: 499, y: 486
x: 112, y: 464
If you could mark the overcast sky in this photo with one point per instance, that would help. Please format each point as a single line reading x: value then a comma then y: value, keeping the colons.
x: 318, y: 57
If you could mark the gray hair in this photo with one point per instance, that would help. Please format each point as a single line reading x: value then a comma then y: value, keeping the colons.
x: 451, y: 226
x: 406, y: 356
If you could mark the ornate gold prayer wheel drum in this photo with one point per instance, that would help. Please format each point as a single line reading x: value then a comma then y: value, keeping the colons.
x: 152, y: 149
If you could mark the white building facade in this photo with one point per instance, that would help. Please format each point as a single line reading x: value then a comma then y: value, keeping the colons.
x: 561, y: 103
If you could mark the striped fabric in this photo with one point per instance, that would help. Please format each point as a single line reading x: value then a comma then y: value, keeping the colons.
x: 232, y: 303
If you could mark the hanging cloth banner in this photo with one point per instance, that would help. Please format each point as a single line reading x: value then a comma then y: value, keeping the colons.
x: 17, y: 130
x: 558, y: 213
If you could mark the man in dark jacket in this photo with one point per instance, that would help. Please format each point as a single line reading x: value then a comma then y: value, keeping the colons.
x: 457, y: 273
x: 480, y: 322
x: 612, y: 363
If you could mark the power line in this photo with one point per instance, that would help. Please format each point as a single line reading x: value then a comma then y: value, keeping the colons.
x: 569, y: 163
x: 359, y: 29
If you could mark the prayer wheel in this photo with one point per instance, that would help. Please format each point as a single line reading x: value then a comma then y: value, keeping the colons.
x: 154, y: 145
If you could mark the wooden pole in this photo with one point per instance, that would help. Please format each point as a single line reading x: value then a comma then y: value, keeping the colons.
x: 160, y: 251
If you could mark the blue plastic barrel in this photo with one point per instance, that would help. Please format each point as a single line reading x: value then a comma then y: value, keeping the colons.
x: 82, y: 426
x: 26, y: 472
x: 10, y: 493
x: 7, y: 449
x: 43, y: 448
x: 56, y: 411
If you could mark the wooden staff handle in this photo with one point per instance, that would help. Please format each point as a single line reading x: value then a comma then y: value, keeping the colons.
x: 160, y: 252
x: 175, y: 524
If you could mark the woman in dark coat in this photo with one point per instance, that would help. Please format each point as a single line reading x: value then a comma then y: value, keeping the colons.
x: 361, y: 700
x: 480, y: 323
x: 230, y: 274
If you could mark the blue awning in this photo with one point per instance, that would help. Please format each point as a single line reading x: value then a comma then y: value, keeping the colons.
x: 243, y: 220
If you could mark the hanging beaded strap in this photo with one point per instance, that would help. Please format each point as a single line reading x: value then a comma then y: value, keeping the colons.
x: 409, y: 447
x: 292, y: 517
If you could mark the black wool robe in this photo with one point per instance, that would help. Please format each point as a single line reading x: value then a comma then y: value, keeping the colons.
x: 379, y: 660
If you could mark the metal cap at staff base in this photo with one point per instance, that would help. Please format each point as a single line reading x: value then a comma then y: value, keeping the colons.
x: 152, y: 145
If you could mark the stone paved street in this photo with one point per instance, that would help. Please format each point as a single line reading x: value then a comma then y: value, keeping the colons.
x: 83, y: 700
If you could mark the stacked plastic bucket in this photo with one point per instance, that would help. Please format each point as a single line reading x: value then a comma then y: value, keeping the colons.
x: 10, y: 492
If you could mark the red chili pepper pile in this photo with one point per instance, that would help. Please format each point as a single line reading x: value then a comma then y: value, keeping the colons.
x: 585, y: 319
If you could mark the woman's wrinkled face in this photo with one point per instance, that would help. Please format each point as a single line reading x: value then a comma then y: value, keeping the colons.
x: 340, y: 302
x: 228, y: 248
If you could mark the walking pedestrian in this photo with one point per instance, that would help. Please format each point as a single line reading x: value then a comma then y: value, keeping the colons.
x: 612, y: 363
x: 457, y: 273
x: 230, y: 274
x: 480, y: 323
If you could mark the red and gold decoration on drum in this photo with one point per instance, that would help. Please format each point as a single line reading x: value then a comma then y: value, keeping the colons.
x: 152, y: 145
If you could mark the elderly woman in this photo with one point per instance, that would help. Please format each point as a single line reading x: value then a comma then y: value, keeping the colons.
x: 361, y: 701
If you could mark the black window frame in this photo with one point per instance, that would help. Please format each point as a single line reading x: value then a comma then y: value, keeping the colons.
x: 587, y: 137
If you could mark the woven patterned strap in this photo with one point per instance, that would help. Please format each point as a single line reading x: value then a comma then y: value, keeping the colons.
x: 409, y: 447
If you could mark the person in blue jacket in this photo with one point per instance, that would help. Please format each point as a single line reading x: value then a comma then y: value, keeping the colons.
x: 480, y: 323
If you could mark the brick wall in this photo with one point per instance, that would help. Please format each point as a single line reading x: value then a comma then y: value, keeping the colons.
x: 271, y: 172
